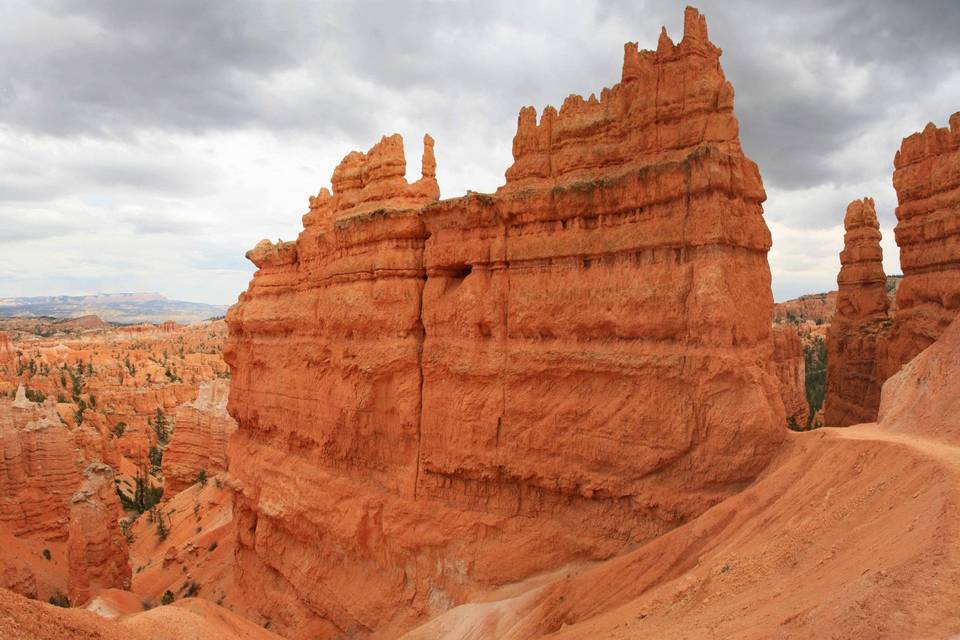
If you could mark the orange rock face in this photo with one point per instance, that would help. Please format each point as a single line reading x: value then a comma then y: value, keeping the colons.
x: 437, y: 397
x: 39, y: 469
x: 791, y: 372
x: 862, y: 319
x: 96, y: 549
x: 927, y: 180
x: 816, y: 307
x: 199, y: 441
x: 7, y: 354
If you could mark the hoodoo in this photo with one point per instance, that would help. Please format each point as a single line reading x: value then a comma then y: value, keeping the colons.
x: 438, y: 397
x: 860, y: 321
x: 96, y: 550
x: 927, y: 180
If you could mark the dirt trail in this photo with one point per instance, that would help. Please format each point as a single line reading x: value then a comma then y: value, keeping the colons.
x: 851, y: 533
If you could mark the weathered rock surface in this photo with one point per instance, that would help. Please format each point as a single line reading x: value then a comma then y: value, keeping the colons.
x: 816, y: 307
x: 199, y: 441
x: 441, y: 397
x: 791, y: 372
x: 927, y: 180
x: 39, y: 469
x: 861, y: 320
x: 924, y: 396
x: 838, y: 538
x: 7, y: 353
x: 96, y: 549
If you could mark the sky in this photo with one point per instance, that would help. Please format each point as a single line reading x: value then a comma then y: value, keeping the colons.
x: 147, y: 146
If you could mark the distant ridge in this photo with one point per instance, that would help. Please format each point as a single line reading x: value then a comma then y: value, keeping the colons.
x: 123, y: 308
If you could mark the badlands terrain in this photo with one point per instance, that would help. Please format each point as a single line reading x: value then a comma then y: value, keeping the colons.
x: 566, y: 409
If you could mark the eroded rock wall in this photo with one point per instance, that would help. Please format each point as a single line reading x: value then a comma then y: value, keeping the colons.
x: 199, y: 442
x: 860, y: 322
x: 96, y: 549
x: 791, y: 372
x: 39, y: 469
x: 436, y: 397
x: 927, y: 180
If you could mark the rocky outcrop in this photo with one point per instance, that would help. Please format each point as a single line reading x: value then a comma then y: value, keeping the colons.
x: 437, y: 397
x: 7, y: 353
x: 791, y: 372
x: 199, y: 441
x: 815, y: 307
x: 96, y: 549
x: 39, y: 469
x: 927, y: 180
x: 861, y: 320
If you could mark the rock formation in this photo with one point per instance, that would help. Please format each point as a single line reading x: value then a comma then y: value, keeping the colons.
x: 927, y: 180
x: 791, y: 372
x: 861, y: 319
x: 816, y: 307
x: 7, y: 354
x: 96, y: 549
x: 199, y: 442
x: 39, y: 470
x: 440, y: 397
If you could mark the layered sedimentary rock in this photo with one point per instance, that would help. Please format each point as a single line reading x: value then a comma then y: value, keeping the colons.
x: 927, y: 180
x: 7, y: 355
x: 791, y: 372
x: 439, y: 397
x: 816, y: 307
x: 39, y: 469
x: 96, y: 549
x: 199, y: 441
x: 861, y: 320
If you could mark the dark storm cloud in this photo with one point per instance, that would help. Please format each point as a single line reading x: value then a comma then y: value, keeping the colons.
x: 113, y: 100
x: 106, y: 67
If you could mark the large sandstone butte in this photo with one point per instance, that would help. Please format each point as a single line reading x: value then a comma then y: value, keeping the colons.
x: 860, y: 321
x: 438, y: 397
x: 927, y: 180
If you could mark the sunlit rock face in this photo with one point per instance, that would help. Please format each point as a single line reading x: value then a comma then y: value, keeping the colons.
x: 438, y: 397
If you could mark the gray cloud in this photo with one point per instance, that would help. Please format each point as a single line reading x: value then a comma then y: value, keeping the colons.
x: 174, y: 117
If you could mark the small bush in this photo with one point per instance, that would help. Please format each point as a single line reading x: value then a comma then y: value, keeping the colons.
x: 119, y: 429
x: 213, y: 546
x: 202, y: 478
x: 192, y: 589
x: 59, y: 600
x: 167, y: 597
x: 46, y: 554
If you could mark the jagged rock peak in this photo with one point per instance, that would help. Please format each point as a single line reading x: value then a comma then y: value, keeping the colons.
x: 365, y: 182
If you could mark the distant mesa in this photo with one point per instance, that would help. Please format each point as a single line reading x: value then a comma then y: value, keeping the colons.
x: 117, y: 308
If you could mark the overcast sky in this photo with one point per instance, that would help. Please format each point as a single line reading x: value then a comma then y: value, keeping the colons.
x: 145, y: 146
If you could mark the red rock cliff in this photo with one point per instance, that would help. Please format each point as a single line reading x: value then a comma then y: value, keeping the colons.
x: 791, y: 372
x: 199, y: 440
x: 927, y: 180
x: 39, y: 469
x: 861, y: 320
x: 96, y: 549
x: 440, y: 397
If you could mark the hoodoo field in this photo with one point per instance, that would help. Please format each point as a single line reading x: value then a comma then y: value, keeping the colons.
x: 569, y: 408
